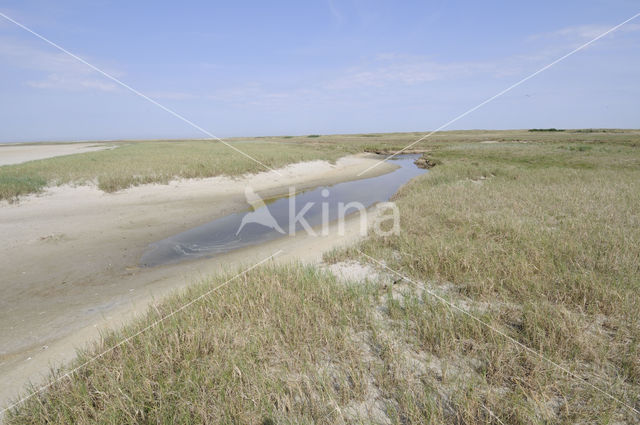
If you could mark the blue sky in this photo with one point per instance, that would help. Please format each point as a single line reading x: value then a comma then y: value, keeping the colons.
x: 300, y: 67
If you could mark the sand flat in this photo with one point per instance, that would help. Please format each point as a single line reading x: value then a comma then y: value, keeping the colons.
x: 17, y: 154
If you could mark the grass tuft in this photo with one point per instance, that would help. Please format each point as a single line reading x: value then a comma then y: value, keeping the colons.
x: 15, y: 184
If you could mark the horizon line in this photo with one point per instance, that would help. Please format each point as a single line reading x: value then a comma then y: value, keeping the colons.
x: 237, y: 138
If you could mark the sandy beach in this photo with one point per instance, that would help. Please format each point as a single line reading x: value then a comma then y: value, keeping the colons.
x: 70, y: 257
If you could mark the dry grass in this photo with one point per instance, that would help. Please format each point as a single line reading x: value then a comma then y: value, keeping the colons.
x: 540, y: 240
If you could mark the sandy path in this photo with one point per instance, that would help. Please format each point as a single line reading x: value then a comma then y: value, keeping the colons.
x: 16, y: 154
x: 68, y: 258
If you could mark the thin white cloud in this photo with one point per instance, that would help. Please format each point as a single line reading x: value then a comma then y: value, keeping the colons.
x: 256, y: 94
x: 55, y: 81
x: 173, y: 95
x: 338, y: 17
x: 392, y: 69
x: 58, y: 70
x: 383, y: 71
x: 209, y: 65
x: 583, y: 32
x: 563, y: 40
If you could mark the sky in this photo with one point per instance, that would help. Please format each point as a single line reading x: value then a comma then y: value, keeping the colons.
x: 257, y: 68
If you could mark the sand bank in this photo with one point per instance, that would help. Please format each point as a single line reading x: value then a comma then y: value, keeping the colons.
x: 16, y: 154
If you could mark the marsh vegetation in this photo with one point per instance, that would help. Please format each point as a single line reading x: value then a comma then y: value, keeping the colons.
x: 536, y: 235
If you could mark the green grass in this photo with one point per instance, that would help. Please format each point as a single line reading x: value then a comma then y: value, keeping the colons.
x: 13, y: 184
x: 544, y: 242
x: 142, y: 162
x: 136, y: 163
x: 540, y: 240
x: 273, y: 345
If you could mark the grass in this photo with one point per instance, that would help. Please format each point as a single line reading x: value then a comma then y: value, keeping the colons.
x: 268, y: 347
x: 13, y: 184
x: 542, y: 243
x: 540, y: 240
x: 142, y: 162
x: 136, y: 163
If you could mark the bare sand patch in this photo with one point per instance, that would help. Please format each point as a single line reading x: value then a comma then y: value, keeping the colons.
x: 17, y: 154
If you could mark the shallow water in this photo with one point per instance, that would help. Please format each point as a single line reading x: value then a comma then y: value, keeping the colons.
x: 315, y: 206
